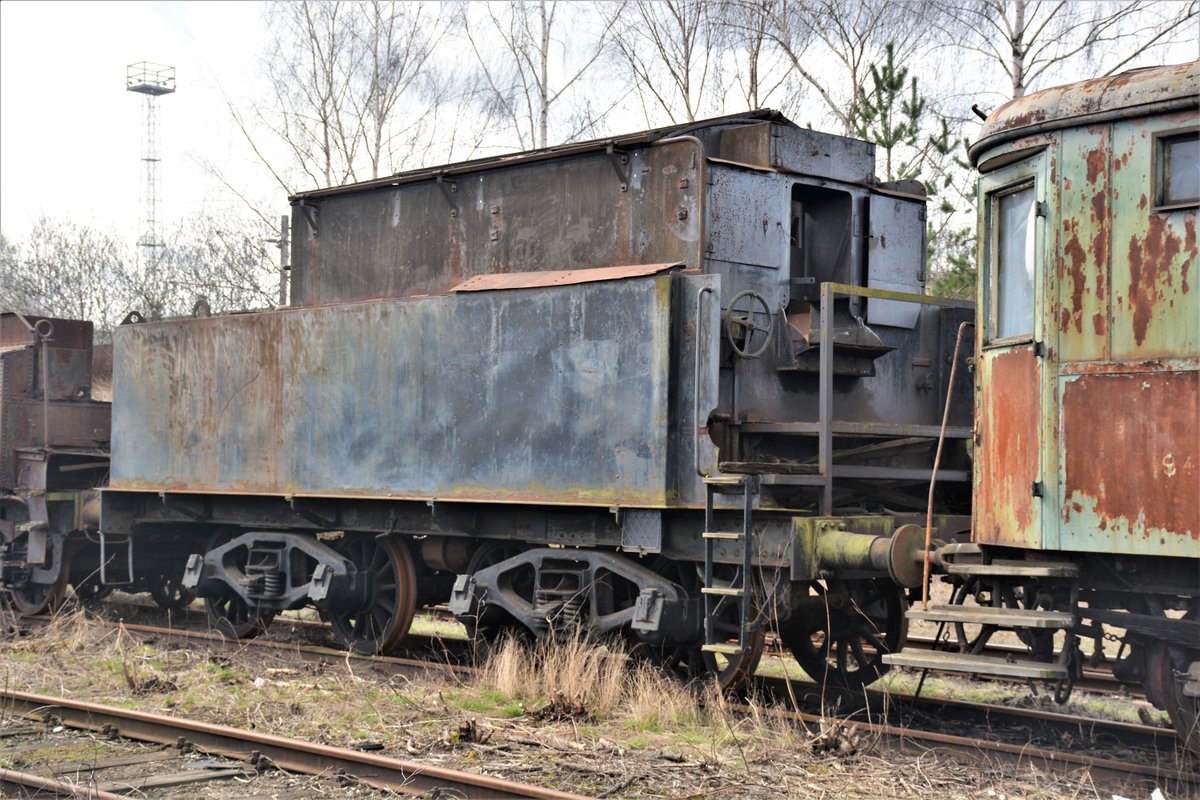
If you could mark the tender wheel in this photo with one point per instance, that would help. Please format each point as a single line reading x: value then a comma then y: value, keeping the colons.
x: 36, y: 598
x: 742, y: 324
x: 839, y: 637
x: 89, y: 590
x: 229, y: 614
x: 1171, y: 672
x: 491, y: 625
x: 384, y: 619
x: 686, y: 659
x: 169, y: 592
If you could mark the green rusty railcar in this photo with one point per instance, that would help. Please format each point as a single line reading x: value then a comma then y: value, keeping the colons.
x: 1087, y: 472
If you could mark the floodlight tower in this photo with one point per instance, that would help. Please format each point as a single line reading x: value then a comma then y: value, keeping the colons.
x: 152, y: 80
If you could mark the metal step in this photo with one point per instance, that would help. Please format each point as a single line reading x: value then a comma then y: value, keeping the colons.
x: 1016, y: 569
x: 1001, y: 617
x: 733, y: 535
x: 725, y: 484
x: 977, y: 665
x: 724, y: 591
x: 723, y: 649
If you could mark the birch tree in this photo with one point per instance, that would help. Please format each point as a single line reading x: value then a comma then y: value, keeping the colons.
x: 669, y: 48
x: 527, y: 71
x: 1037, y: 43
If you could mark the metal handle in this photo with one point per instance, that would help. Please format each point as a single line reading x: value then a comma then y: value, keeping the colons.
x: 696, y: 379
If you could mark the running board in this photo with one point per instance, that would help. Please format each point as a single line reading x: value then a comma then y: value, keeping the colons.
x: 976, y: 665
x: 1000, y: 617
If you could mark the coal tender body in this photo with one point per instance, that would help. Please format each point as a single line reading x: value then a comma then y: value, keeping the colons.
x: 683, y: 385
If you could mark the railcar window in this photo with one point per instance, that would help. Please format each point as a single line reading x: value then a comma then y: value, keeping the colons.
x: 1178, y: 175
x: 1013, y: 245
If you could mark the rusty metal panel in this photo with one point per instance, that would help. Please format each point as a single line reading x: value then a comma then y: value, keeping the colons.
x: 793, y: 149
x: 895, y: 258
x: 747, y: 215
x: 1130, y: 472
x: 1156, y: 307
x: 588, y: 210
x: 1136, y: 93
x: 1007, y: 456
x: 554, y: 395
x: 567, y: 277
x: 1082, y: 276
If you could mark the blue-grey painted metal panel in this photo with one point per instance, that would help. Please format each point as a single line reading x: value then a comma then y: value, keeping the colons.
x: 896, y: 258
x: 549, y: 395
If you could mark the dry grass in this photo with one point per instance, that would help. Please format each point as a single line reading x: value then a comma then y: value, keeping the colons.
x: 617, y: 728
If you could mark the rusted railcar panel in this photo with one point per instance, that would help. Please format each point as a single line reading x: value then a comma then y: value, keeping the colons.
x: 198, y: 402
x: 553, y: 395
x: 588, y: 210
x: 1079, y: 103
x: 1131, y: 463
x: 1082, y: 274
x: 1007, y: 459
x: 565, y: 277
x: 1156, y: 308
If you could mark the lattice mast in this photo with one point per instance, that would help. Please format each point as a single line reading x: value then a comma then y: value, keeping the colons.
x: 153, y: 81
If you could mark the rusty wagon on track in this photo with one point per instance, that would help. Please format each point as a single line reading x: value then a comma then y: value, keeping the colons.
x: 1087, y: 458
x: 685, y: 385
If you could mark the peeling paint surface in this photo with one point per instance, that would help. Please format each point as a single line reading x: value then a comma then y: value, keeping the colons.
x: 1008, y: 456
x: 1131, y: 462
x: 437, y: 397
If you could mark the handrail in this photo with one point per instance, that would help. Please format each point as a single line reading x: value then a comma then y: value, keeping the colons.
x: 703, y: 290
x: 829, y: 291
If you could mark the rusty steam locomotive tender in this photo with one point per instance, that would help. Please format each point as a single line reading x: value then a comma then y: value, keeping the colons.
x: 664, y: 384
x: 685, y: 385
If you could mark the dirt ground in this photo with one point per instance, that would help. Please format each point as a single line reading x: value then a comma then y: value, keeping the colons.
x: 577, y: 719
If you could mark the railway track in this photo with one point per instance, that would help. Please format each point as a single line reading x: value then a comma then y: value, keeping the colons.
x: 255, y: 748
x: 898, y: 719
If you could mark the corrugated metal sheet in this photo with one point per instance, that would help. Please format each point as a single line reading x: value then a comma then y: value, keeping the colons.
x: 555, y: 395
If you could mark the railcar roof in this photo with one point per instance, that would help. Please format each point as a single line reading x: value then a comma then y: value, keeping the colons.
x: 1133, y: 93
x: 619, y: 142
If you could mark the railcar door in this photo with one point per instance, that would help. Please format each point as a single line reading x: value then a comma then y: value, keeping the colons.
x: 1011, y: 370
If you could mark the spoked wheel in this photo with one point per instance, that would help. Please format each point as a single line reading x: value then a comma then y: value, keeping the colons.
x: 687, y: 660
x: 169, y: 592
x: 732, y: 671
x: 974, y: 638
x: 230, y: 614
x: 37, y: 598
x: 490, y: 625
x: 839, y: 637
x: 384, y: 618
x: 1170, y: 671
x: 89, y: 590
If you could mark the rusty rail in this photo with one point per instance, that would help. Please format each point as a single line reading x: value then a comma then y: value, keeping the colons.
x: 38, y: 786
x: 409, y: 777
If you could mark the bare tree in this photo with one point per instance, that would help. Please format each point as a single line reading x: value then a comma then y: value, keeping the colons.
x: 1033, y: 42
x: 815, y: 35
x: 351, y: 84
x: 66, y: 270
x: 669, y: 48
x: 756, y: 63
x: 518, y: 46
x: 225, y: 261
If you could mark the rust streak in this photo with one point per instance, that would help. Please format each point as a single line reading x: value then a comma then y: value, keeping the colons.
x: 1150, y: 263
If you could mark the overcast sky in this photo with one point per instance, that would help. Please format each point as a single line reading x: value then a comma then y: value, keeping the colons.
x: 71, y: 135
